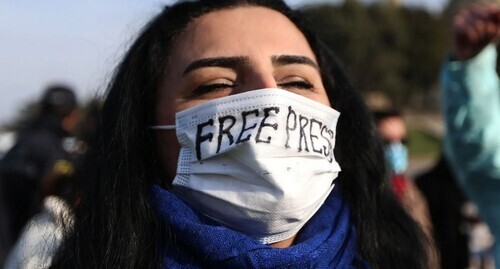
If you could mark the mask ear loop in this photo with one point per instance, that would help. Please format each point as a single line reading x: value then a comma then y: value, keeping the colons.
x: 162, y: 127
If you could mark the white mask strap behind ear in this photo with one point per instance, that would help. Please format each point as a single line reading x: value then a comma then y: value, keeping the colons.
x: 162, y: 127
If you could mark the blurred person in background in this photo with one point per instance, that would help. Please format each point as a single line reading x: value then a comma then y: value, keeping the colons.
x: 471, y: 107
x: 43, y: 233
x: 392, y: 130
x: 40, y: 162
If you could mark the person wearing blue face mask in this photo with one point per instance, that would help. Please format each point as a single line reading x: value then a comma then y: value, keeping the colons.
x: 392, y: 131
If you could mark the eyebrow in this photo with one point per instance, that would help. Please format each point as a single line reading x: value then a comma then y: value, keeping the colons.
x: 280, y: 60
x: 225, y: 62
x: 233, y: 62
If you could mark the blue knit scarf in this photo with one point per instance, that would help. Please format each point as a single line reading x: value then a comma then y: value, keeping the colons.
x: 327, y: 241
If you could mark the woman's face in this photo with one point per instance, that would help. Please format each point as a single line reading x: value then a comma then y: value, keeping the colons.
x: 228, y: 52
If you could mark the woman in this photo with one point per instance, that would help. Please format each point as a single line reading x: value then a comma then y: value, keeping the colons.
x: 210, y: 62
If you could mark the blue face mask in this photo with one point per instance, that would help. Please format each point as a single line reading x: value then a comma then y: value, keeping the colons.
x: 396, y: 155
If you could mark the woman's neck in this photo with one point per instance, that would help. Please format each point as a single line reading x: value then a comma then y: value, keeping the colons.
x: 285, y: 243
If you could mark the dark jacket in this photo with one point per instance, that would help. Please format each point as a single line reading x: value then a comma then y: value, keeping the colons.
x: 37, y: 155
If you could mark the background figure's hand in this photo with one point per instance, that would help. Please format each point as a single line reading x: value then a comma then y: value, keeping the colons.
x: 474, y: 28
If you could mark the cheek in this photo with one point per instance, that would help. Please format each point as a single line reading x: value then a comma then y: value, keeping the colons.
x: 323, y: 99
x: 169, y: 153
x: 321, y: 96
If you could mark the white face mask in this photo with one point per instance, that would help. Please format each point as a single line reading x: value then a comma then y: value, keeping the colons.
x: 259, y: 162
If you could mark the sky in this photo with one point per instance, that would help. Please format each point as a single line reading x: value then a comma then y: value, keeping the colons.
x: 77, y: 43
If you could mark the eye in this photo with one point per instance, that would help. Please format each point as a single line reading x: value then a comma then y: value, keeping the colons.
x: 214, y: 88
x: 296, y: 83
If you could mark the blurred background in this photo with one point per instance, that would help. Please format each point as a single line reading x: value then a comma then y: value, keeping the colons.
x: 392, y: 50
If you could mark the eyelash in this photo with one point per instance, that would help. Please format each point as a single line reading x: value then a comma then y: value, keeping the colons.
x: 204, y: 89
x: 299, y: 84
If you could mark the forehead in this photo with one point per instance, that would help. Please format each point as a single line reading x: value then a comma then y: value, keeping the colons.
x: 240, y: 31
